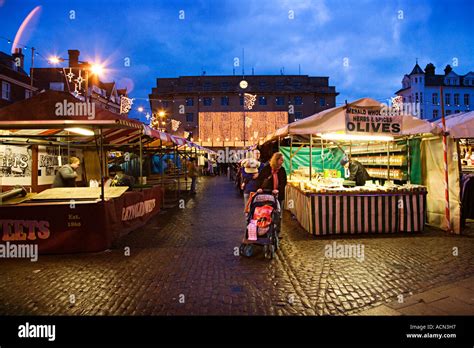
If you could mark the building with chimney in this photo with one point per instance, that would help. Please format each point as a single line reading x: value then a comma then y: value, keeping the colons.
x: 77, y: 78
x: 15, y: 84
x: 184, y: 98
x: 426, y: 88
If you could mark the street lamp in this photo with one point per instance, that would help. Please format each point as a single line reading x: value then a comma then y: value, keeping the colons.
x: 94, y: 68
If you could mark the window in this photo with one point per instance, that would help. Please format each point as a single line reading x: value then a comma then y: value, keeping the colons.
x: 207, y: 86
x: 262, y: 84
x: 28, y: 93
x: 262, y: 100
x: 421, y: 79
x: 457, y: 111
x: 421, y: 97
x: 6, y: 90
x: 435, y: 113
x: 225, y: 86
x: 297, y: 84
x: 456, y: 99
x: 416, y: 98
x: 298, y: 100
x: 416, y: 80
x: 207, y: 101
x: 410, y: 98
x: 189, y: 87
x: 165, y: 103
x: 225, y: 101
x: 322, y: 101
x: 189, y: 117
x: 59, y: 86
x: 421, y: 113
x: 241, y: 100
x: 447, y: 98
x: 280, y: 100
x: 189, y: 101
x: 298, y: 115
x: 280, y: 85
x: 435, y: 98
x: 448, y: 112
x: 466, y: 99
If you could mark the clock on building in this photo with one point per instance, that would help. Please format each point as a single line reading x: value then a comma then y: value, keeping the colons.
x: 243, y: 84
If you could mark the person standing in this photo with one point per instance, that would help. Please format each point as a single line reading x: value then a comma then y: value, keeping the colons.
x: 192, y: 173
x: 357, y: 171
x: 66, y: 175
x: 273, y: 177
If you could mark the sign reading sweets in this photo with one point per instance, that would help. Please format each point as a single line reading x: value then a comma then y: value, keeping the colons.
x: 360, y: 120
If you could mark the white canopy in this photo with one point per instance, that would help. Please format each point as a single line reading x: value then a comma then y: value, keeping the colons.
x: 459, y: 125
x: 334, y: 121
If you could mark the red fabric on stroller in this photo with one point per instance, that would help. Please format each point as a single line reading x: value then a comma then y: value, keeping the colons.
x: 263, y: 215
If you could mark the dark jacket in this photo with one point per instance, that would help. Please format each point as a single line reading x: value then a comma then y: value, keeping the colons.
x: 250, y: 182
x: 265, y: 180
x: 65, y: 177
x: 358, y: 173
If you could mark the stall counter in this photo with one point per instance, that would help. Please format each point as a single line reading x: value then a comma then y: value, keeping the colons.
x: 78, y: 226
x: 353, y: 212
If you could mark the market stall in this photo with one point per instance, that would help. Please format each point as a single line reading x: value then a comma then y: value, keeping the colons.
x: 460, y: 130
x: 169, y: 157
x: 383, y: 141
x: 75, y: 219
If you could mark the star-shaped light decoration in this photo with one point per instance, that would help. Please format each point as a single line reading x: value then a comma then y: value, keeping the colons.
x: 76, y: 92
x: 70, y: 75
x: 80, y: 80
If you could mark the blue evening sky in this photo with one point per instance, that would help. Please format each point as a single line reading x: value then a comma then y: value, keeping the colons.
x: 365, y: 47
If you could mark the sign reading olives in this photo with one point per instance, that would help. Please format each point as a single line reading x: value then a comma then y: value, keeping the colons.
x: 370, y: 120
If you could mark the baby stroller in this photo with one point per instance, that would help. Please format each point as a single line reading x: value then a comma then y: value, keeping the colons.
x: 263, y: 225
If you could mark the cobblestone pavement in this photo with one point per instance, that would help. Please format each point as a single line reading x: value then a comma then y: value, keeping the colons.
x: 183, y: 263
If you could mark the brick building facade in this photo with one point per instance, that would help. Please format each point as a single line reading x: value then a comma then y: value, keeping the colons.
x: 183, y: 98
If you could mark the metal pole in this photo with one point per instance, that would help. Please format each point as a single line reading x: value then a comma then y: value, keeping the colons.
x: 101, y: 165
x: 388, y: 160
x: 141, y: 160
x: 291, y: 155
x: 310, y: 157
x: 322, y: 152
x: 408, y: 161
x: 244, y: 119
x: 446, y: 178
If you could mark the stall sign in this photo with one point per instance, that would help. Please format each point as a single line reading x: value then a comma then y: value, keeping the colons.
x: 360, y: 120
x: 18, y: 230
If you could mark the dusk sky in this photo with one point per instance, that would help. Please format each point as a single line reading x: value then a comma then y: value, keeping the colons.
x: 365, y: 47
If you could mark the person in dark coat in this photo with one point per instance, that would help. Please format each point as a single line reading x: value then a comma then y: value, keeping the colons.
x: 357, y: 171
x: 66, y: 175
x: 273, y: 177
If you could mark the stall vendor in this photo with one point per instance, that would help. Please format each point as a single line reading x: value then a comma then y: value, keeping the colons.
x: 357, y: 171
x: 120, y: 178
x: 66, y: 175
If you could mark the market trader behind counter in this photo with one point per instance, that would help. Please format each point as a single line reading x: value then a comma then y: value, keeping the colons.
x: 66, y: 175
x: 357, y: 171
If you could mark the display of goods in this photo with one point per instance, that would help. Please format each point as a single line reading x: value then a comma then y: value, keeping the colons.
x: 377, y: 148
x: 396, y: 160
x: 382, y: 173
